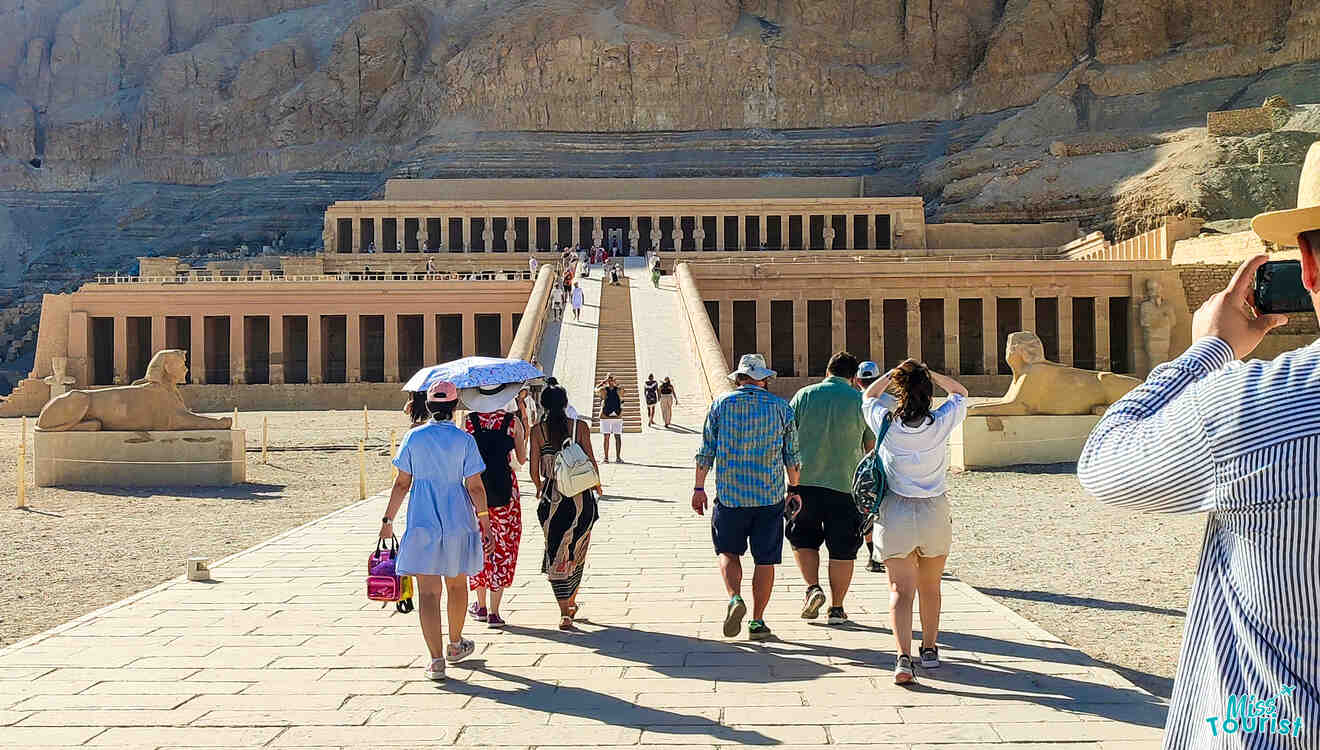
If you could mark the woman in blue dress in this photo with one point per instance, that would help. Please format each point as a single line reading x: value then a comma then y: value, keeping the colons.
x: 448, y: 529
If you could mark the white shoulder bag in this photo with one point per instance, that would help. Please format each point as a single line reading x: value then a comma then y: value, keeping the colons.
x: 574, y: 472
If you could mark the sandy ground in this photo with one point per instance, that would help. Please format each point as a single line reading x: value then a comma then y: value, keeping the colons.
x: 75, y: 551
x: 1113, y: 583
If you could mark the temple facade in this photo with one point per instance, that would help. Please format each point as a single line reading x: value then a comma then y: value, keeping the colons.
x: 792, y: 268
x: 630, y: 216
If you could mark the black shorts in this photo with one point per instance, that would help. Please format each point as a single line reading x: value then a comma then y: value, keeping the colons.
x: 762, y: 527
x: 827, y: 517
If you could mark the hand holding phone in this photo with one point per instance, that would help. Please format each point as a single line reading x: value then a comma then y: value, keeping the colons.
x: 1279, y: 288
x: 1226, y: 317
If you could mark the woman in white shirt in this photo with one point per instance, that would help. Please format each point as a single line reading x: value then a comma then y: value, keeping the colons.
x: 914, y: 529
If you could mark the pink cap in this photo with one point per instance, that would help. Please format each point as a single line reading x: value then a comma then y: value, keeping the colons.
x: 442, y: 391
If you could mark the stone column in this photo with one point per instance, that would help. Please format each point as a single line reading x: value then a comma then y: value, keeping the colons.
x: 488, y: 235
x: 356, y: 224
x: 763, y: 327
x: 877, y: 326
x: 742, y: 233
x: 719, y: 233
x: 510, y: 236
x: 848, y: 228
x: 353, y: 348
x: 1103, y: 358
x: 677, y: 234
x: 577, y: 230
x: 1029, y: 312
x: 952, y: 350
x: 699, y: 237
x: 838, y: 323
x: 276, y: 349
x: 121, y: 350
x: 469, y: 334
x: 914, y: 327
x: 157, y: 333
x: 656, y: 234
x: 870, y: 233
x: 197, y: 348
x: 1066, y: 329
x: 800, y: 361
x: 428, y: 340
x: 423, y: 233
x: 806, y: 236
x: 392, y: 348
x: 79, y: 358
x: 506, y: 332
x: 315, y: 359
x: 554, y: 233
x: 990, y: 342
x: 401, y: 234
x: 375, y: 233
x: 726, y: 329
x: 237, y: 349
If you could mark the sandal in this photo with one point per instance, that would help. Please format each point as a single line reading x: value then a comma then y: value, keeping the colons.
x: 573, y: 610
x: 566, y: 624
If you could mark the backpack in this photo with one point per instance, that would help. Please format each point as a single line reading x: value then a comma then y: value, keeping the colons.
x: 573, y: 470
x: 869, y: 481
x: 495, y: 446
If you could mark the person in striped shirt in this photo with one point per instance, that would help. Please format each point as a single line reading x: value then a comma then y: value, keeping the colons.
x: 1240, y: 441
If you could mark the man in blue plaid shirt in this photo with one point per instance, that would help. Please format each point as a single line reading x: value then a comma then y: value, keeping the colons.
x: 750, y: 434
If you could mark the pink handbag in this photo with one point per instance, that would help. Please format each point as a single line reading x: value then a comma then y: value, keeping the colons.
x: 384, y: 584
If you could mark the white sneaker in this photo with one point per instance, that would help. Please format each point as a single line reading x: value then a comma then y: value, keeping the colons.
x: 436, y: 672
x: 459, y: 651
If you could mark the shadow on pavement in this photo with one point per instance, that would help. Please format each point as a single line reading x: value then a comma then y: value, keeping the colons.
x: 780, y: 660
x: 589, y: 704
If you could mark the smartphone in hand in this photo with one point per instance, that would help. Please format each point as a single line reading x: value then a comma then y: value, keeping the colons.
x: 1279, y: 288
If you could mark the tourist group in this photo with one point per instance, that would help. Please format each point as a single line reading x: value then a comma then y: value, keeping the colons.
x: 783, y: 470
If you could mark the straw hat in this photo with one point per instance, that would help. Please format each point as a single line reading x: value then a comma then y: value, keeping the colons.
x: 1282, y: 227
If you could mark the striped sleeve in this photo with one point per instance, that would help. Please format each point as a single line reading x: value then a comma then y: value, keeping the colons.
x: 1150, y: 451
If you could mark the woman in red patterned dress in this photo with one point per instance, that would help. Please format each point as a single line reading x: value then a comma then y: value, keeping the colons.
x: 498, y: 434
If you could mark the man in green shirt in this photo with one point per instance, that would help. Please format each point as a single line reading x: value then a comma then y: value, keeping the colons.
x: 833, y: 437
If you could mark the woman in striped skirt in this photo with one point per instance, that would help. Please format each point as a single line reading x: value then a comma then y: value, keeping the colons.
x: 566, y: 521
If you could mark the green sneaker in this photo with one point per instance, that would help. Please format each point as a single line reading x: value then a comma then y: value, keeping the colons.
x: 758, y: 631
x: 733, y: 616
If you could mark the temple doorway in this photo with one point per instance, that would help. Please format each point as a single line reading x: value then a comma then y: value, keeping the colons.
x: 616, y: 234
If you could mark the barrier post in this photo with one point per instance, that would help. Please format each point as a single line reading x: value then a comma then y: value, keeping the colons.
x: 234, y: 425
x: 22, y: 464
x: 265, y: 426
x: 365, y: 426
x: 393, y: 447
x: 362, y: 470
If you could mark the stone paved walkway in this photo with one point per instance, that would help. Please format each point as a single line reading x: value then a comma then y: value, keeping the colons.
x: 283, y: 650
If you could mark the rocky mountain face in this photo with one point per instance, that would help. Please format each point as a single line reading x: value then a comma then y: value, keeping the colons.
x: 133, y: 126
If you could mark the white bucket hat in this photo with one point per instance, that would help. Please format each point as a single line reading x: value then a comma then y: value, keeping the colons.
x: 1282, y: 227
x: 753, y: 366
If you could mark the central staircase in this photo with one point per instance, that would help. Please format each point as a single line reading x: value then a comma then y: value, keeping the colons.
x: 616, y: 354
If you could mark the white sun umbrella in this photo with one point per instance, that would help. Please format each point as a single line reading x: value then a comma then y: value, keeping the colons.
x: 474, y: 372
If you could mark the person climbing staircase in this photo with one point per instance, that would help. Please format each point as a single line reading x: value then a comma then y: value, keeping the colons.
x: 616, y: 353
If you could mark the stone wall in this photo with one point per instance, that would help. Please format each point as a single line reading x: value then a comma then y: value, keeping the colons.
x: 291, y: 397
x: 1225, y: 248
x: 1239, y: 121
x: 1202, y: 280
x: 980, y: 236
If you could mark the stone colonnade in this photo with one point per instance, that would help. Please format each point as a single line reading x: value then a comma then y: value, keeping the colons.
x: 263, y: 333
x: 960, y: 329
x: 424, y: 226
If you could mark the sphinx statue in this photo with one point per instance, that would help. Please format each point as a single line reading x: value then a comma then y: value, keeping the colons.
x: 152, y: 403
x: 1043, y: 387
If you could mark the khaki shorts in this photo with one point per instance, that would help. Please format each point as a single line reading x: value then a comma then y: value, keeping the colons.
x: 905, y: 524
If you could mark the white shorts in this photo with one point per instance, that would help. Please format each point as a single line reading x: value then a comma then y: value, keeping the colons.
x: 913, y: 524
x: 611, y: 426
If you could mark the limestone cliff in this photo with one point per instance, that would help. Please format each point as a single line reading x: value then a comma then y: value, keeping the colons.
x: 136, y: 125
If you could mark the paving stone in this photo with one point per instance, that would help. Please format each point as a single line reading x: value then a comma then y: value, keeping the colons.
x: 283, y: 717
x: 112, y: 718
x: 42, y: 736
x: 185, y: 736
